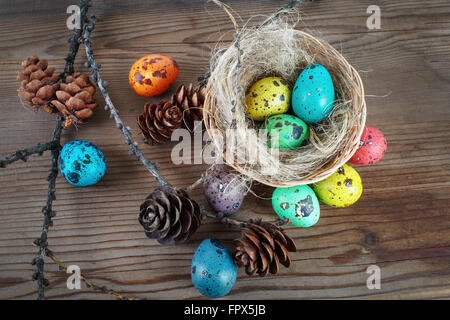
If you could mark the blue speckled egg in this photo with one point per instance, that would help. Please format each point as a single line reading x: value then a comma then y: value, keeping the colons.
x: 213, y: 271
x: 298, y: 203
x: 313, y: 94
x: 225, y: 189
x: 82, y: 163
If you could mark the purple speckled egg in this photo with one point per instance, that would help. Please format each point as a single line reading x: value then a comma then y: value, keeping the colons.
x: 225, y: 189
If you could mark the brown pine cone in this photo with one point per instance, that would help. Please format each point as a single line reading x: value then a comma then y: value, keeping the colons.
x: 37, y: 84
x: 159, y: 121
x: 191, y: 102
x: 262, y: 247
x: 169, y: 215
x: 75, y: 98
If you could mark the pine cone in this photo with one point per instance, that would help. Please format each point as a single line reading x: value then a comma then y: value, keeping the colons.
x: 75, y: 99
x: 159, y: 121
x: 37, y: 84
x: 191, y: 102
x: 262, y: 247
x: 169, y: 215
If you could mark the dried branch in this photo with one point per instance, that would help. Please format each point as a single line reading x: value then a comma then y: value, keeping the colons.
x: 74, y: 40
x: 88, y: 282
x: 38, y: 261
x: 282, y: 10
x: 205, y: 174
x: 25, y: 153
x: 233, y: 222
x: 47, y: 210
x: 95, y: 75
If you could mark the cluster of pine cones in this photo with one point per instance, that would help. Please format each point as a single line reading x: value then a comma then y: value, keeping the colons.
x: 171, y: 217
x: 41, y: 89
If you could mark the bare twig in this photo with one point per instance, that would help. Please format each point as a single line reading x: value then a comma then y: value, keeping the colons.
x: 233, y: 222
x: 25, y: 153
x: 47, y: 210
x: 282, y: 10
x: 48, y: 213
x: 88, y: 282
x: 74, y: 40
x: 134, y: 149
x: 194, y: 185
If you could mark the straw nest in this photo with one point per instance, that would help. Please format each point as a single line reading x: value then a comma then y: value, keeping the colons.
x: 277, y: 49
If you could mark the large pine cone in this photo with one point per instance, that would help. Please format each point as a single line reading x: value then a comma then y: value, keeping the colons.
x: 169, y: 215
x: 262, y: 247
x: 191, y: 102
x: 37, y: 84
x: 75, y: 98
x: 159, y: 121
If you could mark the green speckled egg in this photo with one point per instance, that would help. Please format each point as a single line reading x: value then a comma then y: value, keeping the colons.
x: 298, y: 203
x: 313, y: 94
x: 342, y: 189
x: 267, y: 97
x: 285, y: 131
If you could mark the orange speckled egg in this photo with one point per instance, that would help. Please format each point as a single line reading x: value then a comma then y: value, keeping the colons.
x: 153, y: 74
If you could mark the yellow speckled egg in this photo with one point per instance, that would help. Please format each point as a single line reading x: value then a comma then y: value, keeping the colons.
x: 342, y: 189
x: 267, y: 97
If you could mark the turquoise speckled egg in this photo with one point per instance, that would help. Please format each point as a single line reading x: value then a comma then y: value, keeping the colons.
x: 313, y: 94
x: 285, y: 131
x: 298, y: 203
x: 82, y: 163
x: 213, y: 271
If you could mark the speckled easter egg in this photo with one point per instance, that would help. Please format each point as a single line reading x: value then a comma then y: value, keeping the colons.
x: 313, y: 94
x: 153, y: 74
x: 213, y: 271
x: 372, y: 147
x: 82, y: 163
x: 342, y: 189
x: 267, y: 97
x: 285, y: 131
x: 225, y: 189
x: 298, y: 203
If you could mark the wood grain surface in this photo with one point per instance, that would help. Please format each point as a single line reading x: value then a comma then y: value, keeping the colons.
x: 401, y: 222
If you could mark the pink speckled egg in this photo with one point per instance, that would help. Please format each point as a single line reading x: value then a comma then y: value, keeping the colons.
x: 373, y: 145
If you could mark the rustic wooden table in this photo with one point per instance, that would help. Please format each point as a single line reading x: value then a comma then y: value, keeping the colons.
x: 400, y: 224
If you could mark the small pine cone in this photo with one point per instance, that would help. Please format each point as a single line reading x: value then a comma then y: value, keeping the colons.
x: 262, y: 247
x: 169, y: 215
x: 159, y: 121
x: 75, y: 98
x: 191, y: 102
x: 37, y: 84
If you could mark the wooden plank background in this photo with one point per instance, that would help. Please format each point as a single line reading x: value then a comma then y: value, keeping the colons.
x: 401, y: 223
